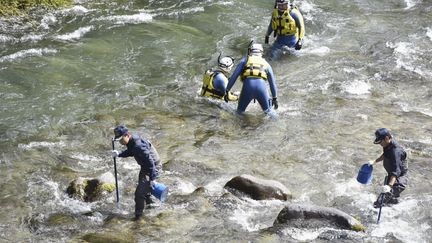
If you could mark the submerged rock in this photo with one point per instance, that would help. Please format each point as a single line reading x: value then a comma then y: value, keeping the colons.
x: 310, y: 215
x: 105, y: 237
x: 90, y: 190
x: 258, y: 189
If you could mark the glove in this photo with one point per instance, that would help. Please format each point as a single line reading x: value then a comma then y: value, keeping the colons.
x: 152, y: 183
x: 266, y: 40
x: 299, y: 44
x: 226, y: 96
x: 275, y: 103
x: 386, y: 189
x: 115, y: 153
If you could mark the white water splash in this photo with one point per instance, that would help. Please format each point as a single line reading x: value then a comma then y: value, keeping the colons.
x: 357, y: 87
x: 394, y: 220
x: 76, y: 10
x: 405, y: 53
x: 128, y: 19
x: 32, y: 145
x: 429, y: 33
x: 5, y: 39
x: 47, y: 21
x: 27, y: 53
x: 77, y: 34
x: 411, y: 3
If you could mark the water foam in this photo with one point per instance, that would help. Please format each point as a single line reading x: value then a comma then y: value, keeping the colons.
x: 429, y: 33
x: 357, y: 87
x: 128, y: 19
x: 32, y: 145
x: 34, y: 52
x: 77, y: 34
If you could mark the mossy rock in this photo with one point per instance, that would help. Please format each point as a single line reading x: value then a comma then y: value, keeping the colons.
x: 109, y: 237
x: 61, y: 219
x: 90, y: 190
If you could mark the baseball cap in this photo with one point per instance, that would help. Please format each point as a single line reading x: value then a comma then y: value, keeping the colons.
x: 380, y: 134
x: 120, y: 131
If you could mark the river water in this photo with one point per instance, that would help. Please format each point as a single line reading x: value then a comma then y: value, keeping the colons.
x: 68, y: 77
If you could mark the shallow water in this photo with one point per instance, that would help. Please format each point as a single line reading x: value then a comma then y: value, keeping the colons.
x: 68, y: 77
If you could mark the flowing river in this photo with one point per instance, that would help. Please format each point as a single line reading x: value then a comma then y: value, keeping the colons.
x: 68, y: 77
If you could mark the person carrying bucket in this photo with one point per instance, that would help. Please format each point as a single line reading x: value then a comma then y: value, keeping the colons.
x: 147, y: 157
x: 395, y: 163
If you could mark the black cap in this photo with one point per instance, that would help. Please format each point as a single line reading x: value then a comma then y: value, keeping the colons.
x: 380, y: 134
x: 120, y: 131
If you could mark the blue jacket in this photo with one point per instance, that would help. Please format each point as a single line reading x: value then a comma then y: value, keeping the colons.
x: 395, y: 160
x: 145, y: 155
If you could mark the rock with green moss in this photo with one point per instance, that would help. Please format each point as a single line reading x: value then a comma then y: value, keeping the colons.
x: 90, y: 190
x: 18, y: 7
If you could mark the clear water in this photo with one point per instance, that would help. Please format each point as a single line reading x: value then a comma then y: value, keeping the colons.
x: 68, y: 77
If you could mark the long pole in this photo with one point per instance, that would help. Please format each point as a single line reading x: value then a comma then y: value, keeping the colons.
x: 381, y: 201
x: 115, y: 171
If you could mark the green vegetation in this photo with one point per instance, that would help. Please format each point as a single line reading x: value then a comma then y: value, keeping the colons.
x: 17, y: 7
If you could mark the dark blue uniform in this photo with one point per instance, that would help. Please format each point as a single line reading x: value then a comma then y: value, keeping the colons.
x: 148, y: 158
x: 396, y: 165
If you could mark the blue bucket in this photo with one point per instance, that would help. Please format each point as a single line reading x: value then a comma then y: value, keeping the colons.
x: 365, y: 174
x: 160, y: 191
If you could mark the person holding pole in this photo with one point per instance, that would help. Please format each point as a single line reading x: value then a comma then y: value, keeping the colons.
x: 395, y: 163
x: 147, y: 157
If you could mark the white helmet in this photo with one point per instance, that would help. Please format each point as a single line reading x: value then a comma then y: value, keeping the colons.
x: 225, y: 63
x: 255, y: 48
x: 282, y: 4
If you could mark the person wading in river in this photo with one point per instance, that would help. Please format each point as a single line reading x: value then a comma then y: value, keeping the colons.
x: 255, y: 73
x: 215, y: 80
x: 394, y: 161
x: 147, y: 157
x: 288, y: 27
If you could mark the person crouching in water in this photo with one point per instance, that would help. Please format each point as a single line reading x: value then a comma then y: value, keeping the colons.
x: 147, y: 157
x: 288, y: 26
x: 215, y: 80
x: 254, y: 72
x: 394, y: 162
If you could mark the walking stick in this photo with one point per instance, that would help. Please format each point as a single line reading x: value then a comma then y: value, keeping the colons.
x: 115, y: 171
x: 381, y: 201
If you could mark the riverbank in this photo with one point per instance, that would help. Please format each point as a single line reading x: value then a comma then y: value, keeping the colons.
x: 19, y: 7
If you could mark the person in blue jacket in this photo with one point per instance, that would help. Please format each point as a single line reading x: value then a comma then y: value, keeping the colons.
x: 395, y: 163
x: 254, y: 72
x: 147, y: 157
x: 215, y: 80
x: 288, y: 26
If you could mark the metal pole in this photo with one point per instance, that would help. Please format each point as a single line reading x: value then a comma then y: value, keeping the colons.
x: 115, y: 171
x: 381, y: 201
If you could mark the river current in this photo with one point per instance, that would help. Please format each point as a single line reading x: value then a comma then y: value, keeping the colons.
x: 68, y: 77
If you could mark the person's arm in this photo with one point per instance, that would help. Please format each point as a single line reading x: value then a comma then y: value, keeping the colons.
x: 298, y: 17
x: 381, y: 158
x: 147, y: 160
x: 236, y: 74
x: 125, y: 153
x: 269, y: 29
x: 272, y: 81
x: 219, y: 82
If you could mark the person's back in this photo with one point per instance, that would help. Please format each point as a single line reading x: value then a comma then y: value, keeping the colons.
x: 255, y: 72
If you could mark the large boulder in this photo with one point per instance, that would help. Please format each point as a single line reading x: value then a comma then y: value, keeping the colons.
x: 292, y: 214
x: 258, y: 189
x: 91, y: 189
